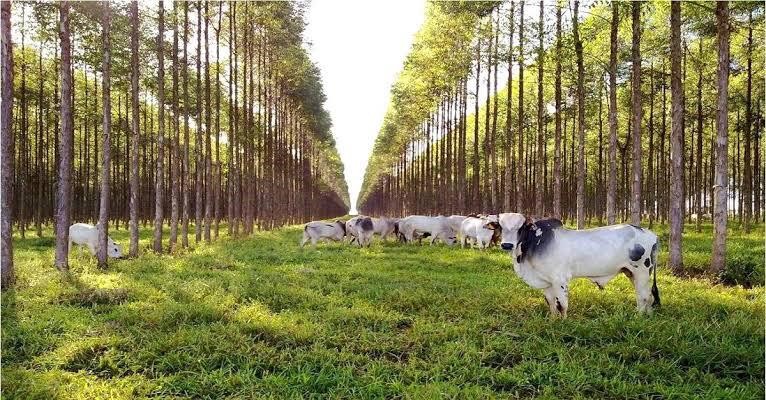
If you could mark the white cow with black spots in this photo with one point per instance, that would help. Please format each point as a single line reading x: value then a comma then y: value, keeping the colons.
x: 547, y: 256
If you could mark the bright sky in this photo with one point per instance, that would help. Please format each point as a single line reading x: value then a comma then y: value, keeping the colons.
x: 360, y: 48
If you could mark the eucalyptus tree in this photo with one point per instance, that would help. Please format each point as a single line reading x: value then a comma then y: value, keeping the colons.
x: 7, y: 273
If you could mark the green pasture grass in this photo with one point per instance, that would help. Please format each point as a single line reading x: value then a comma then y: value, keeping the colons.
x: 260, y: 317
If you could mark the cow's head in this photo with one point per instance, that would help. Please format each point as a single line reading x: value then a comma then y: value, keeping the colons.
x: 534, y: 236
x: 510, y: 224
x: 449, y: 237
x: 496, y: 229
x: 342, y: 225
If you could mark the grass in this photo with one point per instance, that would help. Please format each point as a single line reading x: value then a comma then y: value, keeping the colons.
x: 262, y: 318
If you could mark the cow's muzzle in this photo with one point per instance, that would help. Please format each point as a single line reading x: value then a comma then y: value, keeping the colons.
x: 506, y: 246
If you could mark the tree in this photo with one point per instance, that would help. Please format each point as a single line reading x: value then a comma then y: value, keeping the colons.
x: 520, y: 130
x: 580, y: 119
x: 508, y: 116
x: 103, y: 213
x: 676, y: 142
x: 539, y: 202
x: 174, y: 158
x: 611, y: 190
x: 557, y: 139
x: 135, y: 133
x: 636, y: 98
x: 720, y: 189
x: 158, y: 210
x: 7, y: 273
x: 748, y: 172
x: 65, y: 144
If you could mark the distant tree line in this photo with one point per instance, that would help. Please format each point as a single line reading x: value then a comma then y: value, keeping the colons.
x: 190, y: 114
x: 626, y: 111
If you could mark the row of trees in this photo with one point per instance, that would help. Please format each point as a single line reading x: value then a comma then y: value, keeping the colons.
x: 187, y: 114
x: 601, y: 117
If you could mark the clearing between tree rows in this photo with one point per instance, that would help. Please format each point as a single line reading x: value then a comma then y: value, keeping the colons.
x: 260, y: 317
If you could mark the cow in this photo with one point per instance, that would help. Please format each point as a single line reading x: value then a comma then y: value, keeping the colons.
x: 87, y: 235
x: 384, y: 227
x: 361, y: 229
x: 547, y: 256
x: 455, y: 221
x: 319, y: 230
x: 420, y: 226
x: 480, y: 231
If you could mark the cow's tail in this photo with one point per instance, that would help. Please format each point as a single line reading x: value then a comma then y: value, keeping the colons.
x: 655, y: 289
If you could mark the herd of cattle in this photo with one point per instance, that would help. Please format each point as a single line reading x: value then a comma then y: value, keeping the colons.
x: 545, y: 254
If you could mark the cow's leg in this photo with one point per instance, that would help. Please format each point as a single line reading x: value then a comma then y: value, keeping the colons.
x: 550, y: 300
x: 305, y: 239
x: 560, y: 301
x: 92, y: 249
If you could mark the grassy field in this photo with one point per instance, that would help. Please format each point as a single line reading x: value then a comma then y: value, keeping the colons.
x: 262, y: 318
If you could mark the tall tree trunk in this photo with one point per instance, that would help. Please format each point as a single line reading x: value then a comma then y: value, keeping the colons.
x: 748, y: 172
x: 63, y: 209
x: 676, y: 142
x: 508, y: 118
x: 636, y: 99
x: 611, y: 190
x: 7, y: 144
x: 475, y: 192
x: 539, y: 203
x: 208, y: 149
x: 134, y: 187
x: 580, y: 120
x: 158, y: 210
x: 198, y: 166
x: 697, y: 194
x: 185, y: 162
x: 103, y: 213
x: 520, y: 130
x: 720, y: 189
x: 557, y: 145
x: 174, y: 142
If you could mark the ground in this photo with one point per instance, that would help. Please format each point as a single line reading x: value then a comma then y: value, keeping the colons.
x: 260, y: 317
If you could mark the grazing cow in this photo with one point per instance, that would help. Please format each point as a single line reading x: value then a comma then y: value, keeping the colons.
x: 420, y: 226
x: 480, y: 231
x: 319, y: 230
x: 547, y: 256
x: 361, y: 229
x: 384, y: 227
x: 87, y: 235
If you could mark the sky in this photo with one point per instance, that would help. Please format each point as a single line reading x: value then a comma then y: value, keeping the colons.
x: 360, y: 48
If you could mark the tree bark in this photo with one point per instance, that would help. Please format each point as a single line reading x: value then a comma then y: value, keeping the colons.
x: 103, y: 213
x: 134, y: 186
x: 611, y: 190
x: 63, y: 209
x: 748, y: 172
x: 720, y: 189
x: 520, y: 130
x: 174, y: 142
x: 158, y: 207
x: 636, y: 98
x: 580, y: 120
x: 676, y: 142
x: 539, y: 202
x: 7, y: 145
x: 557, y: 145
